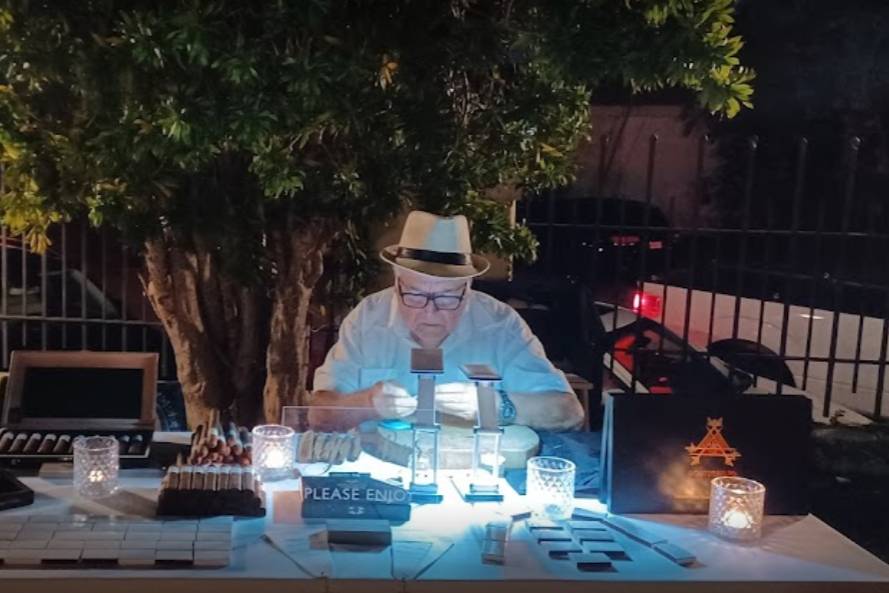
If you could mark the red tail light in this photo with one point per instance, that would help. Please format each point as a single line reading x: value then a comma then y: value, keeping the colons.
x: 645, y: 304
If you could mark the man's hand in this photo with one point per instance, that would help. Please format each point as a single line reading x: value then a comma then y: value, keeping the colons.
x: 391, y: 400
x: 457, y: 399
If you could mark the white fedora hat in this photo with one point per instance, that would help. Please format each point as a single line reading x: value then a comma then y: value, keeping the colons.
x: 436, y: 246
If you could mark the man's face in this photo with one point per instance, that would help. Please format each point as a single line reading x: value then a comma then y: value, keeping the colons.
x: 430, y: 325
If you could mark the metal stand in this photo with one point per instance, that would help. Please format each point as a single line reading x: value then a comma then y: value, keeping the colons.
x: 483, y: 484
x: 425, y: 434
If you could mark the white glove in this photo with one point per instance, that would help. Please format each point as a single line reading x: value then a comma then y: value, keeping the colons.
x: 391, y: 400
x: 457, y: 399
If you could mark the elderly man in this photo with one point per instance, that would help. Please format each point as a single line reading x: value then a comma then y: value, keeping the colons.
x: 432, y: 305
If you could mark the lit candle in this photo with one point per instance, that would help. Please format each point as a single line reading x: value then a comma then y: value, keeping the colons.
x: 273, y: 452
x: 736, y: 519
x: 736, y: 508
x: 96, y: 475
x: 275, y: 459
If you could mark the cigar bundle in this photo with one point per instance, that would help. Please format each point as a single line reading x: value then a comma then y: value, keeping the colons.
x: 204, y: 491
x: 211, y: 444
x: 328, y: 447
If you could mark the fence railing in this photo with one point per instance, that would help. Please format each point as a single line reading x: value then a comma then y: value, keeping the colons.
x: 82, y: 293
x: 785, y: 266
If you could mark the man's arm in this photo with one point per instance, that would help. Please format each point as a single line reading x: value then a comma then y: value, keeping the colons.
x: 383, y: 399
x: 360, y: 401
x: 548, y: 410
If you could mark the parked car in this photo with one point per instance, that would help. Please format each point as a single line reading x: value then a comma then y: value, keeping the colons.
x: 595, y: 239
x: 635, y: 353
x: 762, y: 325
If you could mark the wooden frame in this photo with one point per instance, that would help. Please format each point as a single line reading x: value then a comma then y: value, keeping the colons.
x: 24, y: 359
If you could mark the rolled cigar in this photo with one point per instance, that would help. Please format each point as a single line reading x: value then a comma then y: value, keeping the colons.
x: 234, y: 478
x: 232, y: 433
x: 46, y: 447
x: 123, y: 444
x: 185, y: 477
x: 173, y: 477
x: 63, y: 445
x: 19, y: 443
x: 6, y: 440
x: 211, y: 479
x: 198, y: 477
x: 135, y: 447
x: 198, y: 435
x: 222, y: 478
x: 355, y: 451
x: 247, y: 477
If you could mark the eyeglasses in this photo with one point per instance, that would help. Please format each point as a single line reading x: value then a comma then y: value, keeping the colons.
x: 441, y: 302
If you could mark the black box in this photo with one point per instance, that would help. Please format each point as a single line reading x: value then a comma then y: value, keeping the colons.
x: 69, y: 394
x: 660, y: 452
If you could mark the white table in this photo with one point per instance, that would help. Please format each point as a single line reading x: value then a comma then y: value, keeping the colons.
x: 795, y: 554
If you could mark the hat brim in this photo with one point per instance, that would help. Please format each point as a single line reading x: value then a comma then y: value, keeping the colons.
x: 479, y: 266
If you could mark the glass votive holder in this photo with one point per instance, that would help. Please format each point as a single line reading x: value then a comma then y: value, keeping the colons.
x: 736, y: 508
x: 550, y: 486
x: 273, y: 452
x: 96, y: 464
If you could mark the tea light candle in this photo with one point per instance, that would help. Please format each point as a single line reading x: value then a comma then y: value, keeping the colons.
x: 736, y: 508
x: 275, y: 459
x: 273, y: 452
x: 96, y: 463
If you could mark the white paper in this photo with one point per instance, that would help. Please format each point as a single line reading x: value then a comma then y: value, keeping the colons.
x: 413, y: 553
x: 305, y: 548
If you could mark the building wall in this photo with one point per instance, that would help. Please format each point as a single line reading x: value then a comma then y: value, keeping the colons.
x: 620, y: 166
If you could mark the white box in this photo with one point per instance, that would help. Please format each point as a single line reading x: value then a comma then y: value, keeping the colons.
x: 136, y: 558
x: 211, y: 558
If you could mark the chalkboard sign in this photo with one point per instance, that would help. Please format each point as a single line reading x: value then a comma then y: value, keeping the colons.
x: 659, y: 453
x: 353, y: 496
x: 79, y: 390
x: 59, y: 392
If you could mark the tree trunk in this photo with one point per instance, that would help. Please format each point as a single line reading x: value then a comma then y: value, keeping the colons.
x: 216, y: 326
x: 298, y: 251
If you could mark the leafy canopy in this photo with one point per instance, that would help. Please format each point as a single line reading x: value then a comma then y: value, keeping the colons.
x: 227, y: 117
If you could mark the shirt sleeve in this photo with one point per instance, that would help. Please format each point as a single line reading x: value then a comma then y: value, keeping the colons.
x: 525, y: 367
x: 341, y: 369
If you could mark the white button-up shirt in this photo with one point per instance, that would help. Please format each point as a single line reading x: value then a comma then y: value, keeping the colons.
x: 375, y: 344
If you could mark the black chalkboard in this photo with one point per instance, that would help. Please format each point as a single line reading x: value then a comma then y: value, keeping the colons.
x: 82, y: 392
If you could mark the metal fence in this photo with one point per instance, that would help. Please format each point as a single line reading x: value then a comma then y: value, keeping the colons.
x: 82, y: 293
x: 787, y: 282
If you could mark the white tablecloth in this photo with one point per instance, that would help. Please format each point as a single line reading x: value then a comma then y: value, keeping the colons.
x: 795, y: 554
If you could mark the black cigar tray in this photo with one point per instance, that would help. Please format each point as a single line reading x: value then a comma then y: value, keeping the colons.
x: 209, y: 503
x: 129, y: 457
x: 13, y: 493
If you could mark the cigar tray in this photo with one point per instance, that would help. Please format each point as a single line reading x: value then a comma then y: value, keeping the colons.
x: 209, y: 503
x: 69, y: 394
